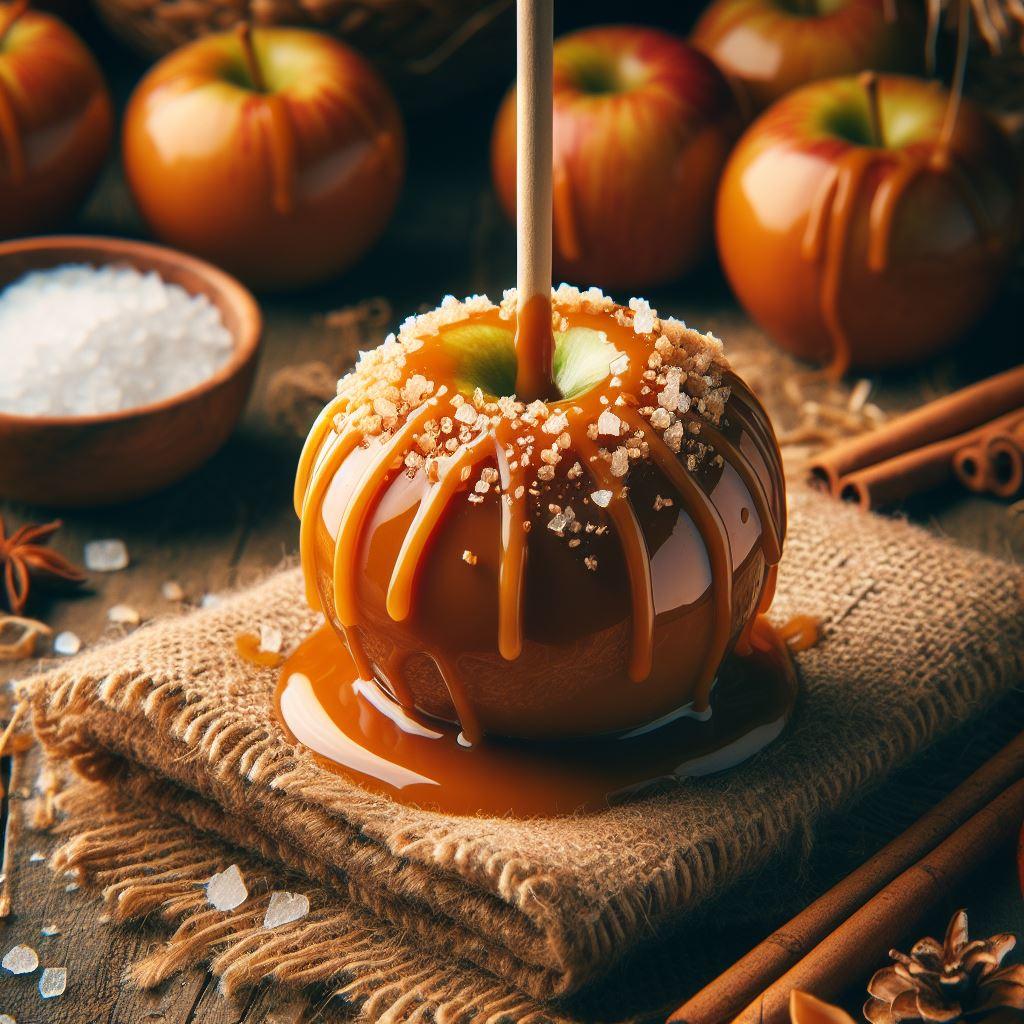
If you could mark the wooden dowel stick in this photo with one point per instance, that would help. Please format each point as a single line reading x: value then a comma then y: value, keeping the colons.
x: 757, y: 970
x: 534, y: 70
x: 862, y: 942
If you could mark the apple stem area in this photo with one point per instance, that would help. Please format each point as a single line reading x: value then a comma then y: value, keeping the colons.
x: 252, y: 64
x: 869, y: 80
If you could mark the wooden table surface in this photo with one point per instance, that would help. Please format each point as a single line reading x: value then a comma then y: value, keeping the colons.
x: 232, y: 521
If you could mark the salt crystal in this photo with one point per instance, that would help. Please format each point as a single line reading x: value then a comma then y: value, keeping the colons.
x: 20, y: 960
x: 555, y: 423
x: 103, y: 339
x: 226, y: 890
x: 557, y: 524
x: 37, y: 857
x: 609, y: 424
x: 52, y: 982
x: 285, y: 907
x: 619, y: 365
x: 620, y: 462
x: 661, y: 418
x: 271, y: 639
x: 124, y: 615
x: 643, y: 316
x: 172, y: 591
x: 49, y: 930
x: 71, y: 887
x: 107, y: 555
x: 601, y: 498
x: 211, y: 601
x: 466, y: 413
x: 66, y: 643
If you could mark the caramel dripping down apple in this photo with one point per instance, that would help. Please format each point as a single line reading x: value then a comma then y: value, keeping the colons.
x: 831, y: 219
x: 327, y: 449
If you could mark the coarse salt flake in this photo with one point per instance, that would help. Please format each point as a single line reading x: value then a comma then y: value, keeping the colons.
x: 601, y: 498
x: 226, y: 890
x: 609, y: 424
x: 52, y: 982
x: 103, y: 339
x: 20, y: 960
x: 124, y: 615
x: 271, y: 639
x: 67, y: 643
x: 284, y: 908
x: 107, y: 555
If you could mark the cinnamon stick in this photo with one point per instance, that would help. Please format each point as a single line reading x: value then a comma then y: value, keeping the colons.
x: 946, y: 417
x: 1004, y: 454
x: 864, y: 939
x: 724, y: 997
x: 918, y: 470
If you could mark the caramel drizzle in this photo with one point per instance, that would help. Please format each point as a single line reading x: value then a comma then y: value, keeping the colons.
x: 512, y: 571
x: 311, y: 449
x: 713, y: 532
x: 832, y: 213
x: 635, y: 554
x: 428, y: 515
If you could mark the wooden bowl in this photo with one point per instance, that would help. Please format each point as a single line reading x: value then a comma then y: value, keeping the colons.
x: 114, y: 457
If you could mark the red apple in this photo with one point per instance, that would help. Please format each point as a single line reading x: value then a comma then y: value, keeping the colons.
x: 767, y: 48
x: 56, y: 121
x: 852, y: 232
x: 642, y: 126
x: 279, y: 157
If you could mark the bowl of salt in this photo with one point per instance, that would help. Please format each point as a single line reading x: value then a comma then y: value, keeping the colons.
x: 126, y: 366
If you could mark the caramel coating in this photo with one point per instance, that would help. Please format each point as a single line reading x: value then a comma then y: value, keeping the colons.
x: 572, y: 568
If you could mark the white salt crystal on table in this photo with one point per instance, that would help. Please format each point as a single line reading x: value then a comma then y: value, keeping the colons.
x: 226, y: 889
x: 67, y: 643
x: 107, y: 555
x: 124, y: 615
x: 285, y: 907
x: 271, y: 639
x: 77, y: 340
x: 20, y: 960
x: 52, y: 982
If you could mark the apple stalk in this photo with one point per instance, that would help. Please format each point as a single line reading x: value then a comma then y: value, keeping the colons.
x: 252, y: 63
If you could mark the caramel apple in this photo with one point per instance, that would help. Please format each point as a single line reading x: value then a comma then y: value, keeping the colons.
x: 869, y: 221
x: 56, y: 121
x: 574, y: 566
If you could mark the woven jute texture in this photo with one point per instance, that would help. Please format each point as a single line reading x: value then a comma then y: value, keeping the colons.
x: 416, y: 914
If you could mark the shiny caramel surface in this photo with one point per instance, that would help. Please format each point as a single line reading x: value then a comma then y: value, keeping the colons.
x: 540, y: 581
x: 355, y: 729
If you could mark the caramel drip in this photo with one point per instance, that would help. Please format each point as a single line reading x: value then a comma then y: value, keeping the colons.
x: 428, y: 515
x: 567, y: 233
x: 744, y: 643
x: 716, y: 539
x: 826, y: 242
x: 281, y: 150
x: 534, y: 344
x: 635, y: 554
x: 469, y: 723
x: 10, y: 137
x: 309, y: 515
x: 512, y: 573
x: 311, y: 449
x: 770, y: 542
x: 394, y: 669
x: 351, y: 526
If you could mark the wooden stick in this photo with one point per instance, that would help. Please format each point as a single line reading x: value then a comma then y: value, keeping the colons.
x: 534, y: 70
x: 757, y: 970
x: 1004, y: 455
x: 952, y: 414
x: 862, y: 942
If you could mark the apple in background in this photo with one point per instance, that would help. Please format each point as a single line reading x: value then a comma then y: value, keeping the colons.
x: 278, y: 155
x: 806, y: 199
x: 767, y: 48
x: 642, y: 126
x: 56, y: 121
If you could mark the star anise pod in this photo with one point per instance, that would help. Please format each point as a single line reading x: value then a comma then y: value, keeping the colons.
x: 24, y: 557
x: 939, y: 983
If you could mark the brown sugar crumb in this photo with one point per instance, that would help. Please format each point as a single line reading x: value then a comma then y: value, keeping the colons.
x: 591, y: 563
x: 468, y: 557
x: 660, y: 503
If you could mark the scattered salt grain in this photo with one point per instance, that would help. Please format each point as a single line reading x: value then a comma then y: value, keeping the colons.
x: 49, y: 930
x: 36, y: 857
x: 52, y: 982
x: 619, y: 365
x: 468, y: 557
x: 103, y: 339
x: 601, y: 498
x: 172, y: 591
x: 20, y: 960
x: 124, y: 615
x: 609, y: 424
x: 226, y: 890
x: 620, y: 462
x: 271, y: 639
x: 285, y: 907
x: 67, y: 643
x: 71, y: 887
x: 211, y: 601
x: 108, y: 555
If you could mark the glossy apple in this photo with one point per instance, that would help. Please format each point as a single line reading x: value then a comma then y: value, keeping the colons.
x: 767, y: 48
x: 56, y: 121
x: 642, y: 126
x: 278, y: 156
x: 886, y: 240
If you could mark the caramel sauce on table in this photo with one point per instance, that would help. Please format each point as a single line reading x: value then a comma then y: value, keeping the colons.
x: 354, y: 728
x: 487, y: 663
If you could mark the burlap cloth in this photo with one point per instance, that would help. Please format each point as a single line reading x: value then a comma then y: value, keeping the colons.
x: 415, y: 914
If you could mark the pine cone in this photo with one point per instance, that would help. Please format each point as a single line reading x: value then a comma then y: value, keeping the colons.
x: 952, y: 981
